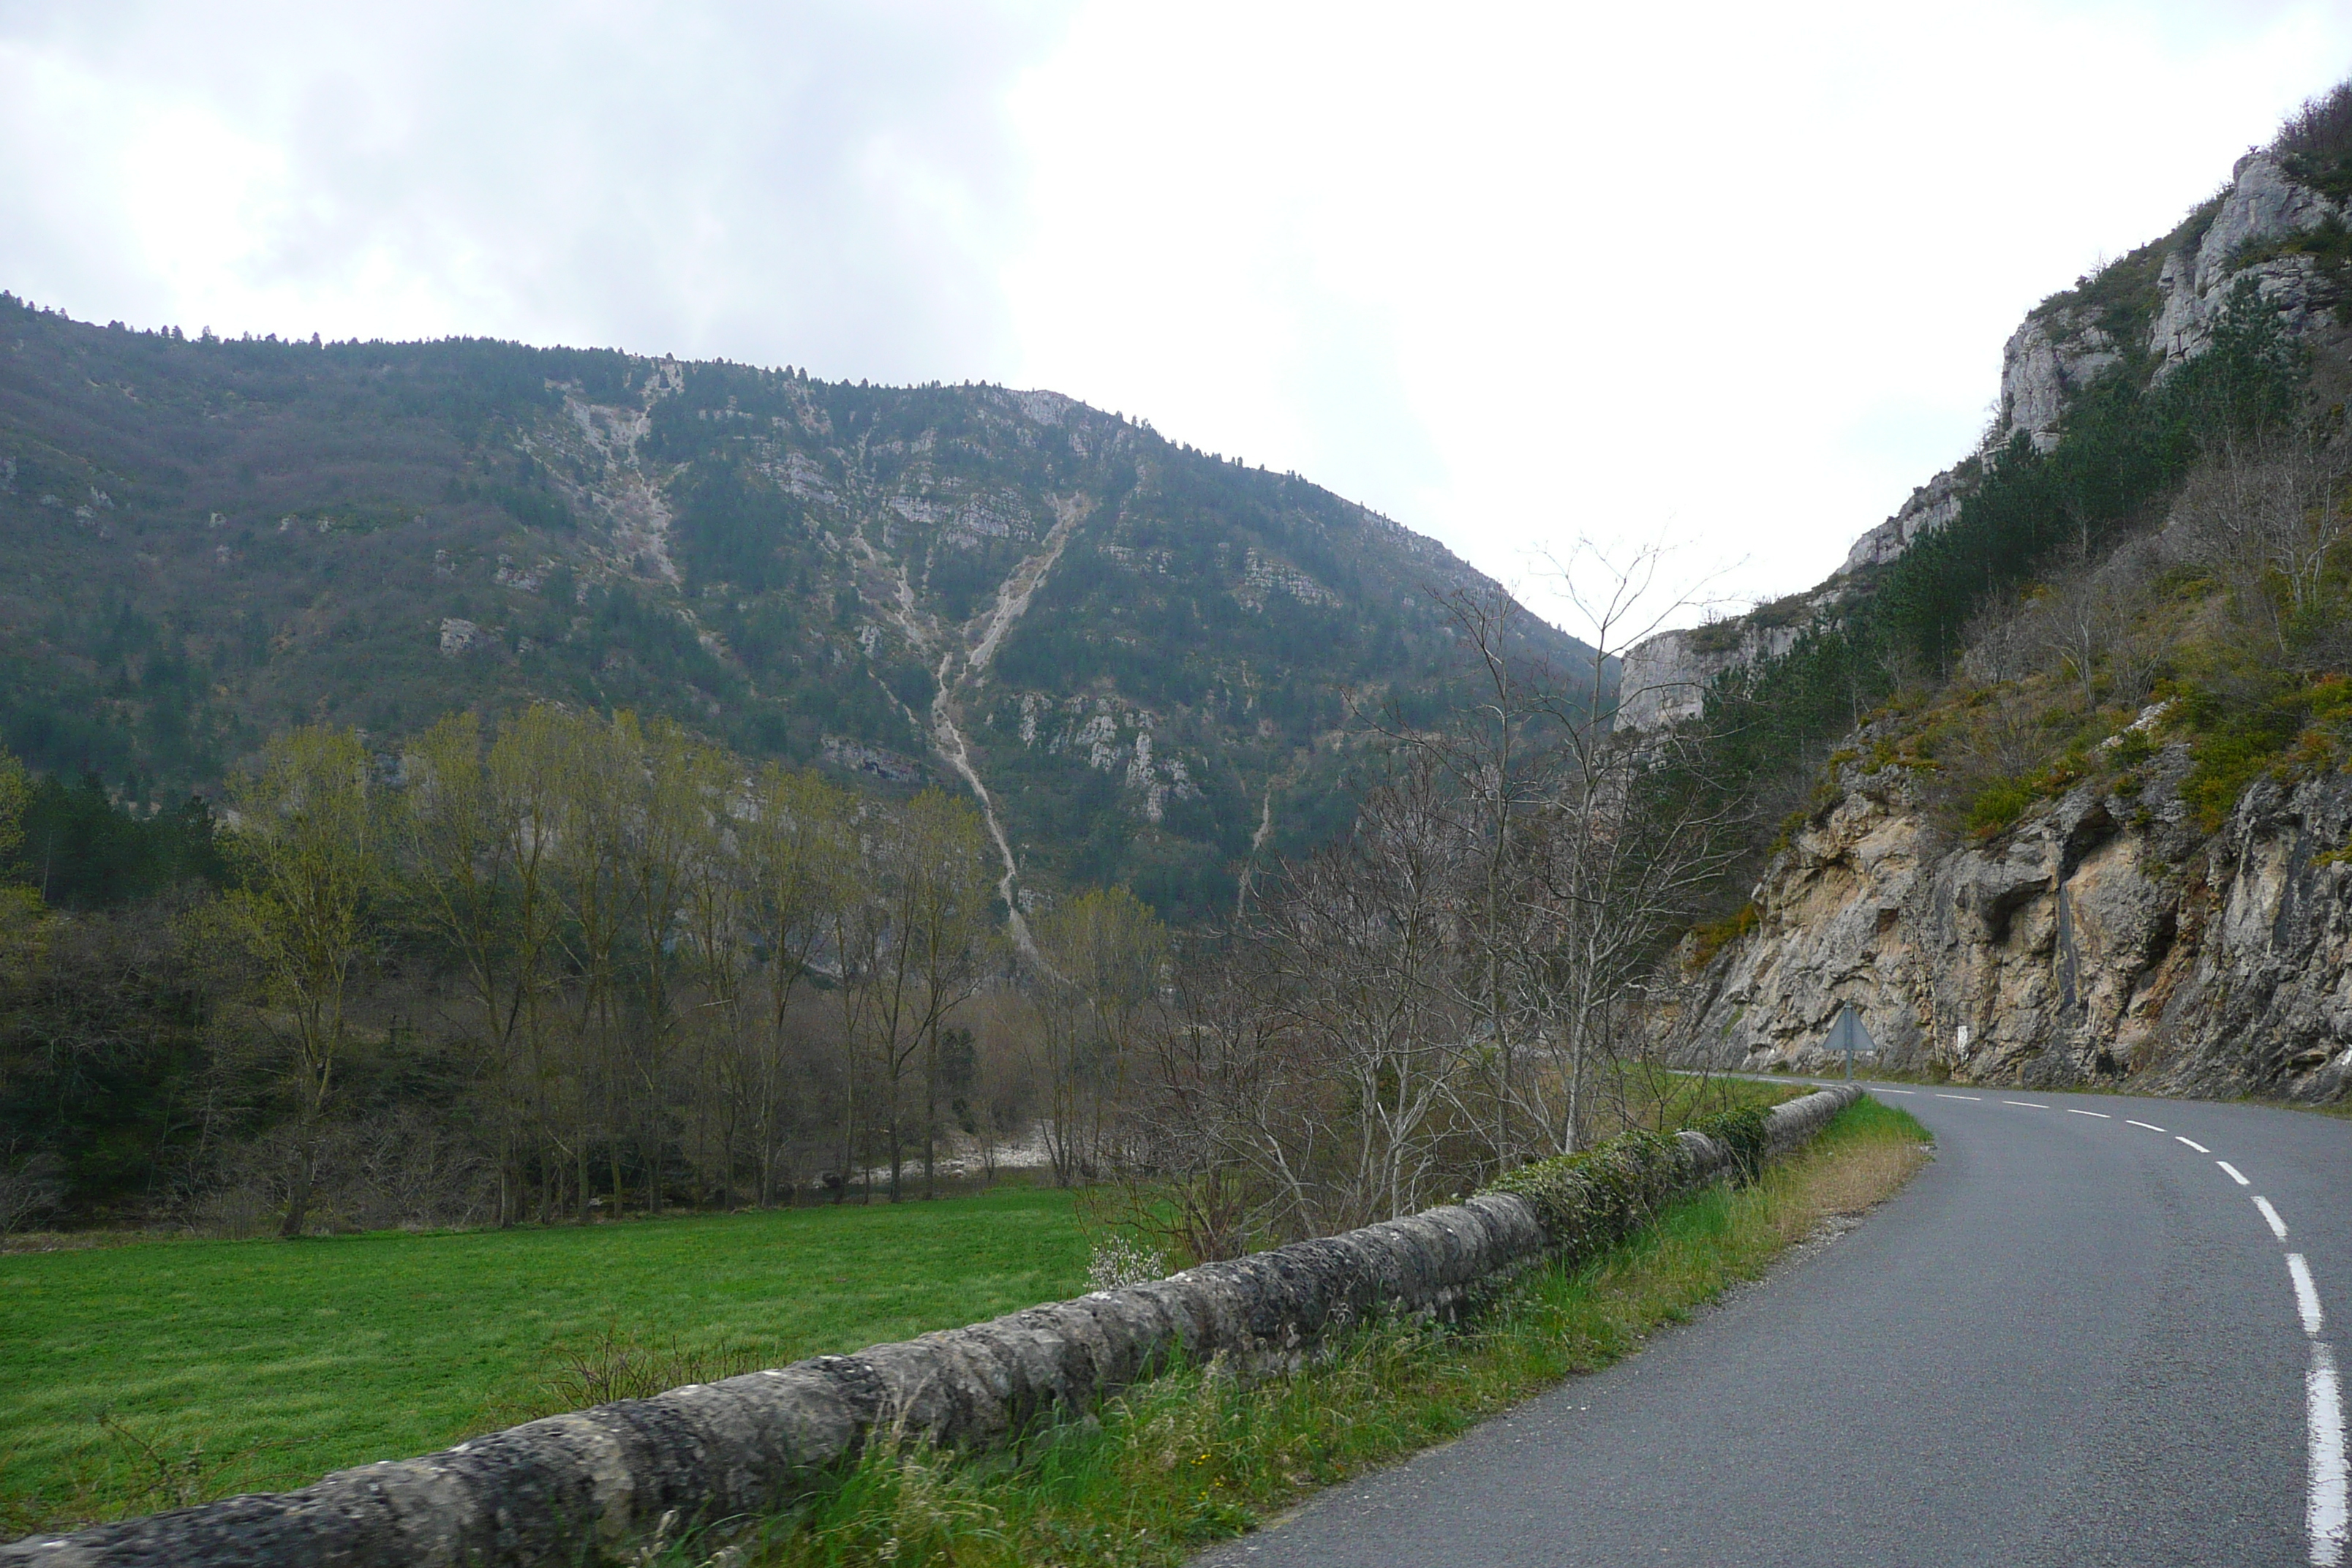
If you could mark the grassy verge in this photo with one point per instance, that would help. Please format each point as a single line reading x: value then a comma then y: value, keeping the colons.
x: 154, y: 1376
x: 1199, y: 1455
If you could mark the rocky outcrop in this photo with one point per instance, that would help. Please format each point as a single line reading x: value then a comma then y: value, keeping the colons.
x: 585, y: 1487
x: 2261, y: 204
x: 2102, y: 937
x: 2068, y: 343
x: 1931, y: 506
x: 2063, y: 347
x: 1665, y: 678
x: 2044, y: 363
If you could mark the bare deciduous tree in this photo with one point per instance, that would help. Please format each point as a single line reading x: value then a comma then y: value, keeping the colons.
x: 1103, y: 956
x: 1366, y: 940
x: 2272, y: 517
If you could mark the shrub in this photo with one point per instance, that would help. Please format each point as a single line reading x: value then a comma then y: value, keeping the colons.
x: 2236, y: 740
x: 2316, y: 143
x: 1713, y: 936
x: 1116, y: 1261
x: 1743, y: 1130
x: 2131, y: 748
x: 1588, y: 1200
x: 1999, y: 804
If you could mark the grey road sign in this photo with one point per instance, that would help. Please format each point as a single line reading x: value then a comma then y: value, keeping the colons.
x: 1847, y: 1035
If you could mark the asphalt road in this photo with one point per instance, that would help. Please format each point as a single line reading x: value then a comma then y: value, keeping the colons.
x: 2072, y: 1339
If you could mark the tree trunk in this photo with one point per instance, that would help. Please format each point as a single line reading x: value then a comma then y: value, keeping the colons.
x: 897, y: 1152
x: 932, y: 1116
x: 297, y: 1207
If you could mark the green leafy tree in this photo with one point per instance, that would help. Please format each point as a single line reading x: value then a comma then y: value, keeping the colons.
x: 794, y: 842
x: 306, y: 846
x: 23, y: 917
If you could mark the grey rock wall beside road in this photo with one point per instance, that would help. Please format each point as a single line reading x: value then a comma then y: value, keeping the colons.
x: 2104, y: 936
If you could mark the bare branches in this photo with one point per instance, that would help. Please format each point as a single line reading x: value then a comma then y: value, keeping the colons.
x: 2271, y: 518
x: 1441, y: 994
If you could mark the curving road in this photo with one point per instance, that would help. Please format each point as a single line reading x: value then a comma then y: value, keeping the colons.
x: 2094, y: 1331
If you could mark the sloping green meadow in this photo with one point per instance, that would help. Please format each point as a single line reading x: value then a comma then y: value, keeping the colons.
x: 151, y: 1375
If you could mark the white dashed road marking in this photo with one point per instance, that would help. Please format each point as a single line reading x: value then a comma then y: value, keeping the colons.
x: 2328, y: 1514
x: 2306, y: 1294
x: 2323, y: 1515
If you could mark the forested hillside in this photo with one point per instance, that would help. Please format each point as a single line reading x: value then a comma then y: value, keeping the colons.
x: 2058, y: 762
x: 1140, y: 652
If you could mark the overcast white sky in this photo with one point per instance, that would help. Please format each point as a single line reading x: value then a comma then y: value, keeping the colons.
x: 1738, y: 274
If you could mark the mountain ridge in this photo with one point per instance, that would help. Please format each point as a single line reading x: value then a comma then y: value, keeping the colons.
x: 1140, y: 653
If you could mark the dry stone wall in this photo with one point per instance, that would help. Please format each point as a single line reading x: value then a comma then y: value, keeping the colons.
x: 583, y: 1486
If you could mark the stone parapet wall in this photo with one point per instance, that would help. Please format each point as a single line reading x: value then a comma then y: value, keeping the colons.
x: 575, y: 1488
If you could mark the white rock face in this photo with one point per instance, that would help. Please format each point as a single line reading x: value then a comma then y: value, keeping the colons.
x: 2101, y: 937
x: 1665, y: 678
x: 1100, y: 729
x: 2051, y: 358
x: 2044, y: 363
x: 1931, y: 506
x: 2262, y: 203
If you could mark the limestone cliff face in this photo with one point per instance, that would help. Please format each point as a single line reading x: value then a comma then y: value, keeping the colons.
x: 2069, y: 342
x: 1931, y: 506
x: 2262, y: 203
x: 1665, y: 678
x: 2045, y: 362
x: 2173, y: 291
x: 2102, y: 937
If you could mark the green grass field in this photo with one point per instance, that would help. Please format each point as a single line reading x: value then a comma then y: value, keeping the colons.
x: 159, y: 1373
x: 151, y: 1375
